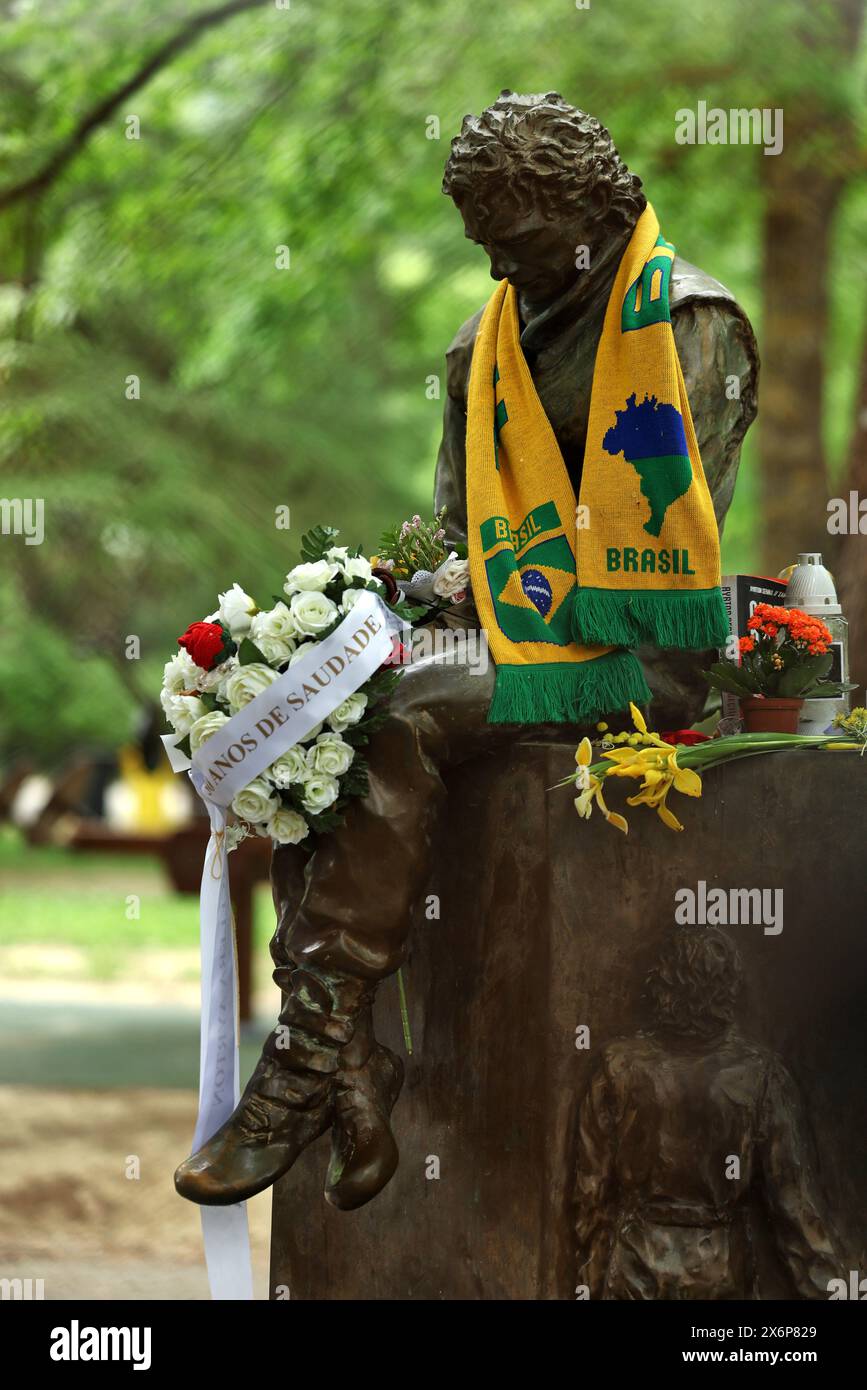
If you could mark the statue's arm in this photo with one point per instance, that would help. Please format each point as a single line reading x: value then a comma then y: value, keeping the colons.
x: 450, y: 485
x: 720, y: 363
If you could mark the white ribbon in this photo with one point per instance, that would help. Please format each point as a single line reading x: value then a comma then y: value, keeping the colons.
x: 244, y: 747
x: 224, y: 1229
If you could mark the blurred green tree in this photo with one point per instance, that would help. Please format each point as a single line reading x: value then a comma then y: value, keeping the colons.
x: 228, y: 278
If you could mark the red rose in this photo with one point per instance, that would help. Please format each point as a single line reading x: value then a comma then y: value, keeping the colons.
x: 207, y: 643
x: 687, y: 736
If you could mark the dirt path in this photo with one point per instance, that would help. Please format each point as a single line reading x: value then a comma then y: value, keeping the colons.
x: 71, y: 1216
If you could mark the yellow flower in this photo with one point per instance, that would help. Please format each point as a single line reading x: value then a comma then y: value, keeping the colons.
x: 593, y: 792
x: 637, y: 718
x: 645, y: 757
x: 668, y: 817
x: 602, y: 727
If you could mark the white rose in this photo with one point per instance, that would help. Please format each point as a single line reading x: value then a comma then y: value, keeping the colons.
x: 246, y: 682
x: 357, y: 568
x: 274, y: 622
x: 330, y: 753
x: 312, y: 612
x: 180, y: 674
x: 303, y: 649
x: 452, y: 577
x: 348, y: 713
x: 337, y: 553
x: 181, y: 711
x: 276, y: 650
x: 290, y: 767
x: 236, y: 611
x: 350, y: 599
x: 314, y: 733
x: 287, y: 827
x: 205, y: 728
x: 256, y: 802
x: 320, y: 791
x: 313, y: 577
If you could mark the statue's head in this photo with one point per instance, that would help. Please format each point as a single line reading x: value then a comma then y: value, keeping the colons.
x: 534, y: 179
x: 695, y: 983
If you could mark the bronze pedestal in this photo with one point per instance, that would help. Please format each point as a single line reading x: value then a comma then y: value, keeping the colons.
x: 548, y: 924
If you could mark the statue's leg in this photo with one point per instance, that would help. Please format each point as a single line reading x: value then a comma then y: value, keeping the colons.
x: 322, y: 1066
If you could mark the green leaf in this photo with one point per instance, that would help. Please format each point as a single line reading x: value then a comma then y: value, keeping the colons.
x: 797, y: 679
x: 248, y: 652
x: 209, y: 700
x: 315, y: 542
x: 732, y: 679
x: 412, y: 612
x: 325, y: 821
x: 184, y: 746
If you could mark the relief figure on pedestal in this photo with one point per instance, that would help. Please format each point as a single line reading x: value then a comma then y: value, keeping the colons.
x: 682, y: 1128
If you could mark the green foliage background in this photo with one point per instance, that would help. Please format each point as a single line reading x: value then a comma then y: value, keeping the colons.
x: 306, y: 127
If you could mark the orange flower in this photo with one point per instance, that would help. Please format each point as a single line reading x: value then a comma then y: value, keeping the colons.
x: 747, y: 644
x: 768, y: 612
x: 803, y: 627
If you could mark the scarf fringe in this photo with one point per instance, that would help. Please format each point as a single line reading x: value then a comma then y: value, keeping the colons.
x: 691, y: 619
x: 567, y: 692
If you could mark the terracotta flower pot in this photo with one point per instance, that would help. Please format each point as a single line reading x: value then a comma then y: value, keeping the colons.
x: 771, y: 714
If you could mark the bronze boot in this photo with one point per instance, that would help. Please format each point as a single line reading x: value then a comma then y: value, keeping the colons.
x: 290, y: 1098
x: 278, y: 1115
x: 364, y: 1153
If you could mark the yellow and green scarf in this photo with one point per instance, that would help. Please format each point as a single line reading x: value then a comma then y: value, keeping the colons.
x: 561, y: 590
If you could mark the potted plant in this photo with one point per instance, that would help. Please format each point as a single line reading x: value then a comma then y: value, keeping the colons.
x: 783, y: 661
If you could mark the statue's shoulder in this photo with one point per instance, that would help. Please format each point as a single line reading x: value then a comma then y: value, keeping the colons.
x: 696, y: 299
x: 688, y: 282
x: 459, y: 355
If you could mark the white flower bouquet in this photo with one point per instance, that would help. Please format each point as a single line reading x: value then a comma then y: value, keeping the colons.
x: 230, y: 657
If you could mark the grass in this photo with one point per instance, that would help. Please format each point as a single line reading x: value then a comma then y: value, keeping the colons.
x: 17, y: 855
x: 110, y: 907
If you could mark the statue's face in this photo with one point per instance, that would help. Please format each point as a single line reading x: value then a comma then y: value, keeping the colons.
x: 532, y: 251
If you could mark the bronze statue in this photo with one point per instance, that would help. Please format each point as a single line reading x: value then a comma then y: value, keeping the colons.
x: 679, y: 1127
x: 535, y: 180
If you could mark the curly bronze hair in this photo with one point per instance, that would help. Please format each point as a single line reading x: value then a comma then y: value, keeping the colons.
x: 694, y: 986
x: 550, y: 155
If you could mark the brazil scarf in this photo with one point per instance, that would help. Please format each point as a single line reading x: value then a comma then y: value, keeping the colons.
x: 564, y: 589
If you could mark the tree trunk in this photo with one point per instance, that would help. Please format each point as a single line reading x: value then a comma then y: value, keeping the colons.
x: 803, y: 187
x: 850, y: 555
x: 799, y: 213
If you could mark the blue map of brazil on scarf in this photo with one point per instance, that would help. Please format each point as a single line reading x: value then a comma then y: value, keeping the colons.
x: 651, y: 438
